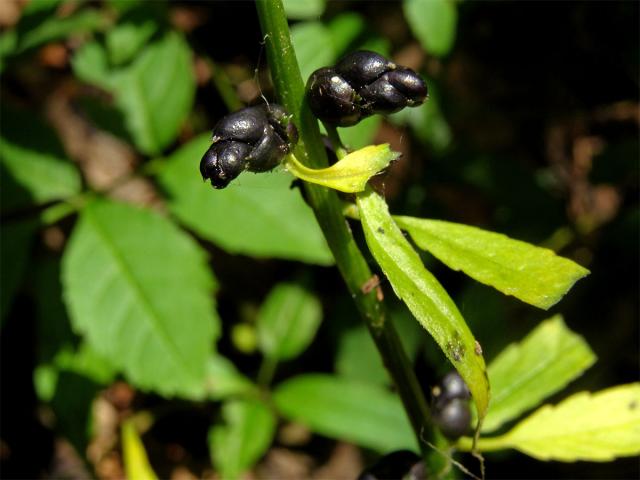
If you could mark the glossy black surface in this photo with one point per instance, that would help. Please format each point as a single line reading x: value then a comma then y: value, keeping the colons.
x: 254, y: 139
x: 361, y: 84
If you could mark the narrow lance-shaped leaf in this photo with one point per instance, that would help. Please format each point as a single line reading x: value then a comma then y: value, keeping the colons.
x: 596, y: 427
x: 141, y: 291
x: 351, y: 173
x: 288, y: 321
x: 366, y: 414
x: 526, y: 373
x: 245, y: 437
x: 136, y: 462
x: 532, y: 274
x: 423, y: 294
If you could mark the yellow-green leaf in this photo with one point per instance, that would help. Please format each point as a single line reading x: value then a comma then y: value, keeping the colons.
x: 136, y: 463
x: 532, y: 274
x: 526, y: 373
x: 349, y: 174
x: 423, y: 294
x: 586, y: 426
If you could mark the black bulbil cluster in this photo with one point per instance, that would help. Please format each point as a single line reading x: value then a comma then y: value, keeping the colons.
x: 451, y: 410
x: 361, y: 84
x: 254, y: 138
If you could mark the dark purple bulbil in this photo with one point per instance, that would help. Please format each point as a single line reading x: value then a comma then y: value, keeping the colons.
x: 451, y: 411
x: 361, y: 84
x: 254, y: 139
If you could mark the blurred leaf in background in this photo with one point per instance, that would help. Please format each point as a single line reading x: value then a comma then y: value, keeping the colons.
x: 260, y: 215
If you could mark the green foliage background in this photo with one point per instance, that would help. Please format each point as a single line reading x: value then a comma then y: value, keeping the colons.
x: 126, y: 280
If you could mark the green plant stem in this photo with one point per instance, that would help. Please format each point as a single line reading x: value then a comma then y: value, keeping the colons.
x: 334, y: 138
x: 328, y: 210
x: 267, y: 371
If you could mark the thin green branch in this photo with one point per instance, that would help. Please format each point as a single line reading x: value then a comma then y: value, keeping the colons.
x: 328, y: 210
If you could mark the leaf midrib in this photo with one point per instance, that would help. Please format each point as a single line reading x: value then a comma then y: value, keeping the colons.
x: 501, y: 268
x: 151, y: 313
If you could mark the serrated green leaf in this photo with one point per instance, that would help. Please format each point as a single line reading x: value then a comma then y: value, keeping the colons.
x: 351, y: 173
x: 423, y: 294
x: 140, y: 290
x: 248, y: 431
x: 258, y: 215
x: 434, y: 23
x: 526, y: 373
x: 304, y: 9
x: 597, y: 427
x: 15, y: 244
x: 288, y: 321
x: 224, y: 380
x: 358, y: 412
x: 313, y: 46
x: 136, y: 463
x: 532, y: 274
x: 156, y: 92
x: 35, y: 167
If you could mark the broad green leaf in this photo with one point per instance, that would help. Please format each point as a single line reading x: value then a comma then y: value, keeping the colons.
x: 136, y: 463
x: 596, y: 427
x: 91, y: 64
x: 351, y: 173
x: 156, y: 92
x: 248, y: 431
x: 35, y: 167
x: 304, y: 9
x: 124, y: 40
x: 313, y: 45
x: 433, y: 22
x: 423, y: 294
x: 532, y: 274
x: 15, y: 244
x: 362, y: 413
x: 224, y: 380
x: 258, y: 215
x: 357, y: 356
x: 526, y: 373
x: 140, y: 290
x: 287, y: 321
